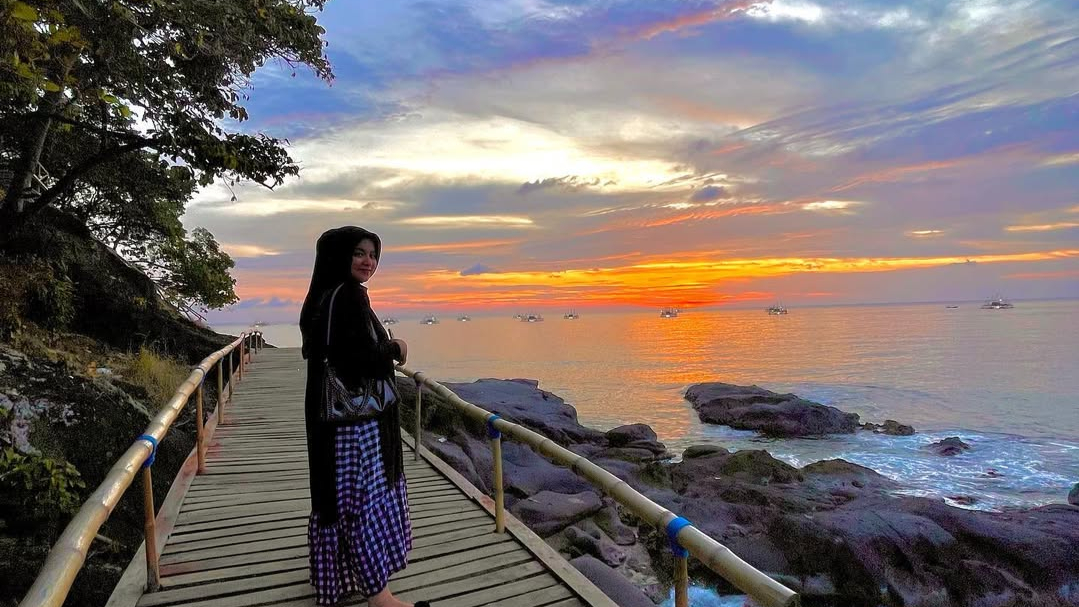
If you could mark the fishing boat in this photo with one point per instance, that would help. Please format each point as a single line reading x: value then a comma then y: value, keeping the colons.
x: 389, y: 320
x: 571, y: 315
x: 997, y: 303
x: 776, y: 310
x: 429, y: 320
x: 532, y: 318
x: 668, y: 313
x: 464, y: 318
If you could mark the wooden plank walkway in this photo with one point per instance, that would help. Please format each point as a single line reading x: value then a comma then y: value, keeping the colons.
x: 240, y: 536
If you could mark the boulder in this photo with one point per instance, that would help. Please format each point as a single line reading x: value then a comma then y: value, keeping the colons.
x: 889, y: 427
x: 694, y: 451
x: 623, y: 435
x: 521, y: 401
x: 771, y: 414
x: 612, y: 583
x: 548, y: 512
x: 588, y: 539
x: 948, y: 447
x: 1073, y: 495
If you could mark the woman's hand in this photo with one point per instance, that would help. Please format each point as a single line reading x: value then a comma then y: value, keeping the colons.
x: 404, y: 349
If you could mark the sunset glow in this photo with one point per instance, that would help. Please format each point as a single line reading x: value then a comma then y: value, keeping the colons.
x: 635, y: 155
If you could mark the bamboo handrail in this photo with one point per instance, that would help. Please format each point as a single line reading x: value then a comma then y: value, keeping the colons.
x: 717, y: 557
x: 68, y: 554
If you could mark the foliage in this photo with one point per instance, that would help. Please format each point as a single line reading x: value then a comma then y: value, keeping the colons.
x: 37, y: 487
x: 160, y: 376
x: 117, y: 111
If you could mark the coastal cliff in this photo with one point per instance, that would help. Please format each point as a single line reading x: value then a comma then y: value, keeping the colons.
x: 839, y: 533
x: 88, y: 355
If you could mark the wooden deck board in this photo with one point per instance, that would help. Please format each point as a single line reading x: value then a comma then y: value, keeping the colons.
x: 240, y: 536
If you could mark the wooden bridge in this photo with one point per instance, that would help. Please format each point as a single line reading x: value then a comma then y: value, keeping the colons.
x: 232, y: 531
x: 240, y: 534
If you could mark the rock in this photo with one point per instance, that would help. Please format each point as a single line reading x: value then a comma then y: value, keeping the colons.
x: 772, y: 414
x: 593, y: 542
x: 948, y: 447
x: 548, y: 512
x: 1073, y: 495
x: 694, y: 451
x: 608, y: 520
x: 963, y: 500
x: 890, y: 427
x: 521, y: 401
x: 621, y: 591
x: 623, y: 435
x: 756, y: 466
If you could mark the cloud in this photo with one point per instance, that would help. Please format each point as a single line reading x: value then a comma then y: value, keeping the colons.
x: 479, y: 268
x: 567, y: 183
x: 839, y: 206
x: 469, y: 221
x: 709, y: 193
x: 1045, y: 227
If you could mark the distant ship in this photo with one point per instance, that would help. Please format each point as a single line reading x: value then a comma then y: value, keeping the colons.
x: 389, y: 320
x: 464, y: 318
x: 776, y: 310
x: 668, y: 313
x: 532, y: 318
x: 952, y: 307
x: 998, y: 303
x: 518, y: 317
x: 571, y: 315
x: 429, y: 320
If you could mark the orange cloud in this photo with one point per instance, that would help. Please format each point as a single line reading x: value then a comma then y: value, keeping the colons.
x: 1045, y: 275
x: 706, y: 113
x: 455, y: 246
x: 693, y: 19
x: 1045, y: 227
x: 897, y: 173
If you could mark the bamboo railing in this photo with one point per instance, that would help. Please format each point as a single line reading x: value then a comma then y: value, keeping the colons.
x: 68, y: 554
x: 685, y: 538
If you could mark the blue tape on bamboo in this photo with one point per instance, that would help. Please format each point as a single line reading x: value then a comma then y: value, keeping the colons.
x: 677, y: 524
x: 493, y: 432
x: 153, y: 449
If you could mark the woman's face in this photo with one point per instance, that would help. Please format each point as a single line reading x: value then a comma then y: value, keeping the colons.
x: 364, y: 261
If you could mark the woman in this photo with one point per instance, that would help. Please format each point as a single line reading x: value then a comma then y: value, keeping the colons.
x: 359, y: 533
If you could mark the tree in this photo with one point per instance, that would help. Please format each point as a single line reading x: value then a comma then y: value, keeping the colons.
x: 181, y: 67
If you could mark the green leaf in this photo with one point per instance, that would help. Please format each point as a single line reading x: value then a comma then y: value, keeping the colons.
x: 51, y: 86
x: 23, y: 12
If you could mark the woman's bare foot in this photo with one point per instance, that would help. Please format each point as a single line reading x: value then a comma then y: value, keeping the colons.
x: 386, y: 599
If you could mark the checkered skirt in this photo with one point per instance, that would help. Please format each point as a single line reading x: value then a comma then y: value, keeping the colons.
x: 372, y: 536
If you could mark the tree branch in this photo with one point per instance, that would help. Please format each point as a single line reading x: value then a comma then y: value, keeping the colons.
x: 73, y: 175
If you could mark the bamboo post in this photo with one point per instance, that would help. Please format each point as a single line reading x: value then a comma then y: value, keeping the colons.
x: 200, y: 431
x: 153, y: 572
x: 230, y: 375
x: 681, y: 582
x: 419, y: 417
x: 220, y: 392
x: 496, y: 455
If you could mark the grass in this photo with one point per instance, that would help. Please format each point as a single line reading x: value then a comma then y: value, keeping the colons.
x: 160, y: 376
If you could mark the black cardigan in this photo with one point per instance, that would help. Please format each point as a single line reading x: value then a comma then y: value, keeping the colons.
x: 359, y: 348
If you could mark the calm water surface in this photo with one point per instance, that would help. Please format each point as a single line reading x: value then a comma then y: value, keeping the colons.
x: 1006, y: 381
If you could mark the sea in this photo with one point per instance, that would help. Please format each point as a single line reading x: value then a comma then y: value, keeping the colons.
x: 1005, y: 381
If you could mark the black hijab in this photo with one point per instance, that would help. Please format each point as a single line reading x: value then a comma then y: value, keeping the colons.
x: 355, y: 324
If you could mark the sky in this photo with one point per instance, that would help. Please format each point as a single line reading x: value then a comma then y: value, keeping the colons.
x: 520, y: 155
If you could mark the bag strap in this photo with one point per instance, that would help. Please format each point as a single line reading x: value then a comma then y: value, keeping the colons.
x: 329, y: 320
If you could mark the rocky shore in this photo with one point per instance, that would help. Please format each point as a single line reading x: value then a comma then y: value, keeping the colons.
x: 838, y: 533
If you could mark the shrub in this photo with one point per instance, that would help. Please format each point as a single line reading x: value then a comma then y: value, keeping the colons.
x: 37, y: 491
x: 160, y: 376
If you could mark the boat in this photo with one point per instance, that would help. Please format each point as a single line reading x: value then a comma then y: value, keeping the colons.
x: 571, y: 315
x: 389, y: 320
x: 668, y: 313
x: 429, y: 320
x: 776, y: 310
x: 532, y: 318
x: 464, y: 318
x: 952, y: 307
x: 518, y: 317
x: 997, y: 303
